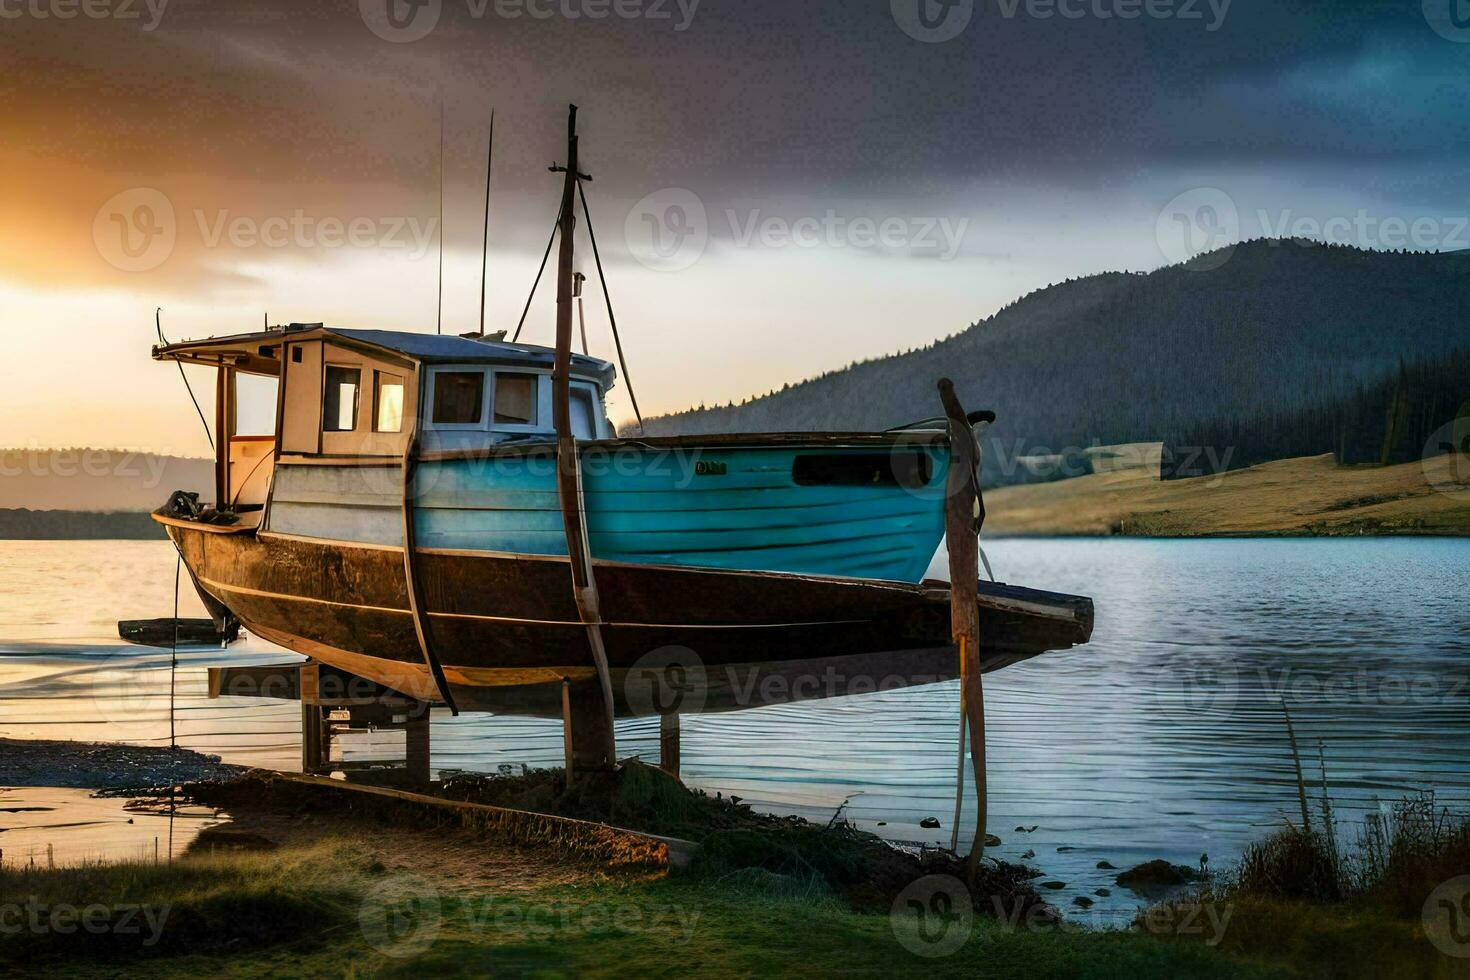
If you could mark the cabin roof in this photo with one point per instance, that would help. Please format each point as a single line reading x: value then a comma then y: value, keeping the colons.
x: 259, y: 352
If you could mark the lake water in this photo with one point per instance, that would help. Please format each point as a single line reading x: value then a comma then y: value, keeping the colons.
x: 1163, y: 737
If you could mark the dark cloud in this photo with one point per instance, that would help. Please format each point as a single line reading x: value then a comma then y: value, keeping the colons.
x: 278, y: 103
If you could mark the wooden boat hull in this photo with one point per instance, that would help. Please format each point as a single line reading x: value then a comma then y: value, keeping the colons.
x: 509, y: 622
x: 863, y: 511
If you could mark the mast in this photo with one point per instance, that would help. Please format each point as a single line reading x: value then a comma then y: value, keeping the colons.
x: 601, y: 748
x: 439, y: 316
x: 485, y: 240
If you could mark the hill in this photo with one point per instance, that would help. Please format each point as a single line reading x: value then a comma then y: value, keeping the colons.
x: 1308, y: 496
x: 1280, y: 327
x: 96, y: 479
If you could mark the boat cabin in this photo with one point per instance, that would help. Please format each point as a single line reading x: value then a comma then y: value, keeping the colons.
x: 343, y: 397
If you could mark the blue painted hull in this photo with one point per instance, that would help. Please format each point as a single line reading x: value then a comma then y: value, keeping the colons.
x: 717, y: 508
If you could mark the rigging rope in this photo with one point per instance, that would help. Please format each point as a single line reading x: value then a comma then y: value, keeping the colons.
x: 173, y: 669
x: 557, y: 224
x: 622, y: 363
x: 158, y: 325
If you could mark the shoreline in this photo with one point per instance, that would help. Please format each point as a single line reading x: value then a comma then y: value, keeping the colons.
x: 105, y: 766
x: 302, y: 883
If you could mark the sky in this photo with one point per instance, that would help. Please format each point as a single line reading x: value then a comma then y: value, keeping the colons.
x: 780, y: 187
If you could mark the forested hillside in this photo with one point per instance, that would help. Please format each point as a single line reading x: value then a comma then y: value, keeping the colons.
x: 1279, y: 328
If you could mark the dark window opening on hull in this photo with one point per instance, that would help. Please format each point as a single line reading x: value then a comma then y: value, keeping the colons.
x: 910, y: 470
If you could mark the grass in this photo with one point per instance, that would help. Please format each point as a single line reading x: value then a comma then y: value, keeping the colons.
x: 1301, y: 897
x: 1305, y: 496
x: 329, y: 910
x: 131, y: 911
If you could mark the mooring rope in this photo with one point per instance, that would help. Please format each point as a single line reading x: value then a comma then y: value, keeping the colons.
x: 173, y: 667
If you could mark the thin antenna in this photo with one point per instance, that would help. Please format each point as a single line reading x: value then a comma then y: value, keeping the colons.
x: 485, y: 242
x: 439, y: 319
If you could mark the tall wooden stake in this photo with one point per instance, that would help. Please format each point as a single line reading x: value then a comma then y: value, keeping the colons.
x: 568, y: 471
x: 960, y: 522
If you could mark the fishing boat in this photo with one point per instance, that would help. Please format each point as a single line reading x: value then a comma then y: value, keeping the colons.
x: 456, y: 519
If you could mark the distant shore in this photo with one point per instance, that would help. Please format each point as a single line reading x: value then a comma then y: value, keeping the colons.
x: 77, y: 525
x: 1306, y: 497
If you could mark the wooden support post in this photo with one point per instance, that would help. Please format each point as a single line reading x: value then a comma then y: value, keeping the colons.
x: 594, y: 732
x: 416, y: 745
x: 962, y: 514
x: 584, y: 728
x: 313, y: 737
x: 668, y: 743
x: 224, y: 424
x: 570, y: 766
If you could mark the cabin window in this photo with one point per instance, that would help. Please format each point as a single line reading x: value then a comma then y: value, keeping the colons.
x: 515, y: 399
x: 255, y: 405
x: 339, y: 401
x: 458, y: 397
x: 897, y: 469
x: 584, y: 414
x: 388, y: 403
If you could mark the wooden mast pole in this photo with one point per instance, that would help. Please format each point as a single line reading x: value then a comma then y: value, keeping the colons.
x: 963, y: 511
x: 485, y: 239
x: 597, y: 740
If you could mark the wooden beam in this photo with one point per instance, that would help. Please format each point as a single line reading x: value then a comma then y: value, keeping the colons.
x: 422, y: 628
x: 963, y: 513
